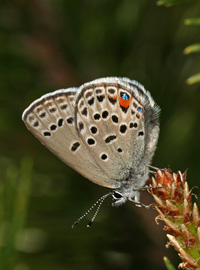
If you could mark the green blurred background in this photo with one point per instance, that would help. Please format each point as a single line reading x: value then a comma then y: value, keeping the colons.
x: 46, y: 45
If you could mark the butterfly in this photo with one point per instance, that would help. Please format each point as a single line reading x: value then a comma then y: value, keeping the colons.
x: 106, y: 129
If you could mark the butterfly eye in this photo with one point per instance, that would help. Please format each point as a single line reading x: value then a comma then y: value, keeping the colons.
x: 116, y: 195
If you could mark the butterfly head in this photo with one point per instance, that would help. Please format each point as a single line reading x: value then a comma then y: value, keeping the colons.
x: 120, y: 196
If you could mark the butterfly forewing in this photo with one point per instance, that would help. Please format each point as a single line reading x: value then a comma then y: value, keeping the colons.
x: 51, y: 120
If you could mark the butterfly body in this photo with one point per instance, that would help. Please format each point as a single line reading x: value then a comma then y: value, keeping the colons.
x: 107, y: 130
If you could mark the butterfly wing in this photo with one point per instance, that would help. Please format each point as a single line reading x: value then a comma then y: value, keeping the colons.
x: 110, y: 118
x: 51, y: 120
x: 105, y: 129
x: 151, y: 123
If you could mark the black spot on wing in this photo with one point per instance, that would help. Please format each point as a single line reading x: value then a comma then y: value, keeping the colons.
x: 60, y: 122
x: 105, y: 114
x: 97, y: 116
x: 42, y: 115
x: 141, y: 133
x: 90, y: 141
x: 36, y: 124
x: 46, y: 133
x: 110, y: 138
x: 53, y: 127
x: 63, y: 107
x: 104, y: 156
x: 84, y: 111
x: 115, y: 118
x: 70, y: 120
x: 100, y: 98
x: 91, y: 101
x: 123, y: 128
x: 81, y: 126
x: 75, y: 146
x: 124, y: 109
x: 112, y: 100
x: 52, y: 110
x: 93, y: 129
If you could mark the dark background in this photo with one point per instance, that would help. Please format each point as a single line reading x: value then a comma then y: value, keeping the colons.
x: 46, y: 45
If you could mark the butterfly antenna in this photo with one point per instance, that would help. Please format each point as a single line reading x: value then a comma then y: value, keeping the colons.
x: 97, y: 211
x: 99, y: 201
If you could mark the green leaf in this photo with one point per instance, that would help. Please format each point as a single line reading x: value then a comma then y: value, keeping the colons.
x: 192, y: 21
x: 168, y: 264
x: 194, y: 48
x: 193, y: 79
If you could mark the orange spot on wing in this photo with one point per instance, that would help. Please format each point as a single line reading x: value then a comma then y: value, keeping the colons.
x: 124, y: 103
x: 138, y: 115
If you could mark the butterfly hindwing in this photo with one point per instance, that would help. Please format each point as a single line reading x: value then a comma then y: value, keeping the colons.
x: 111, y: 124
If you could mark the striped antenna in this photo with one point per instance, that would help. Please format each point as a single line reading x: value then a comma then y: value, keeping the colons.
x: 99, y: 203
